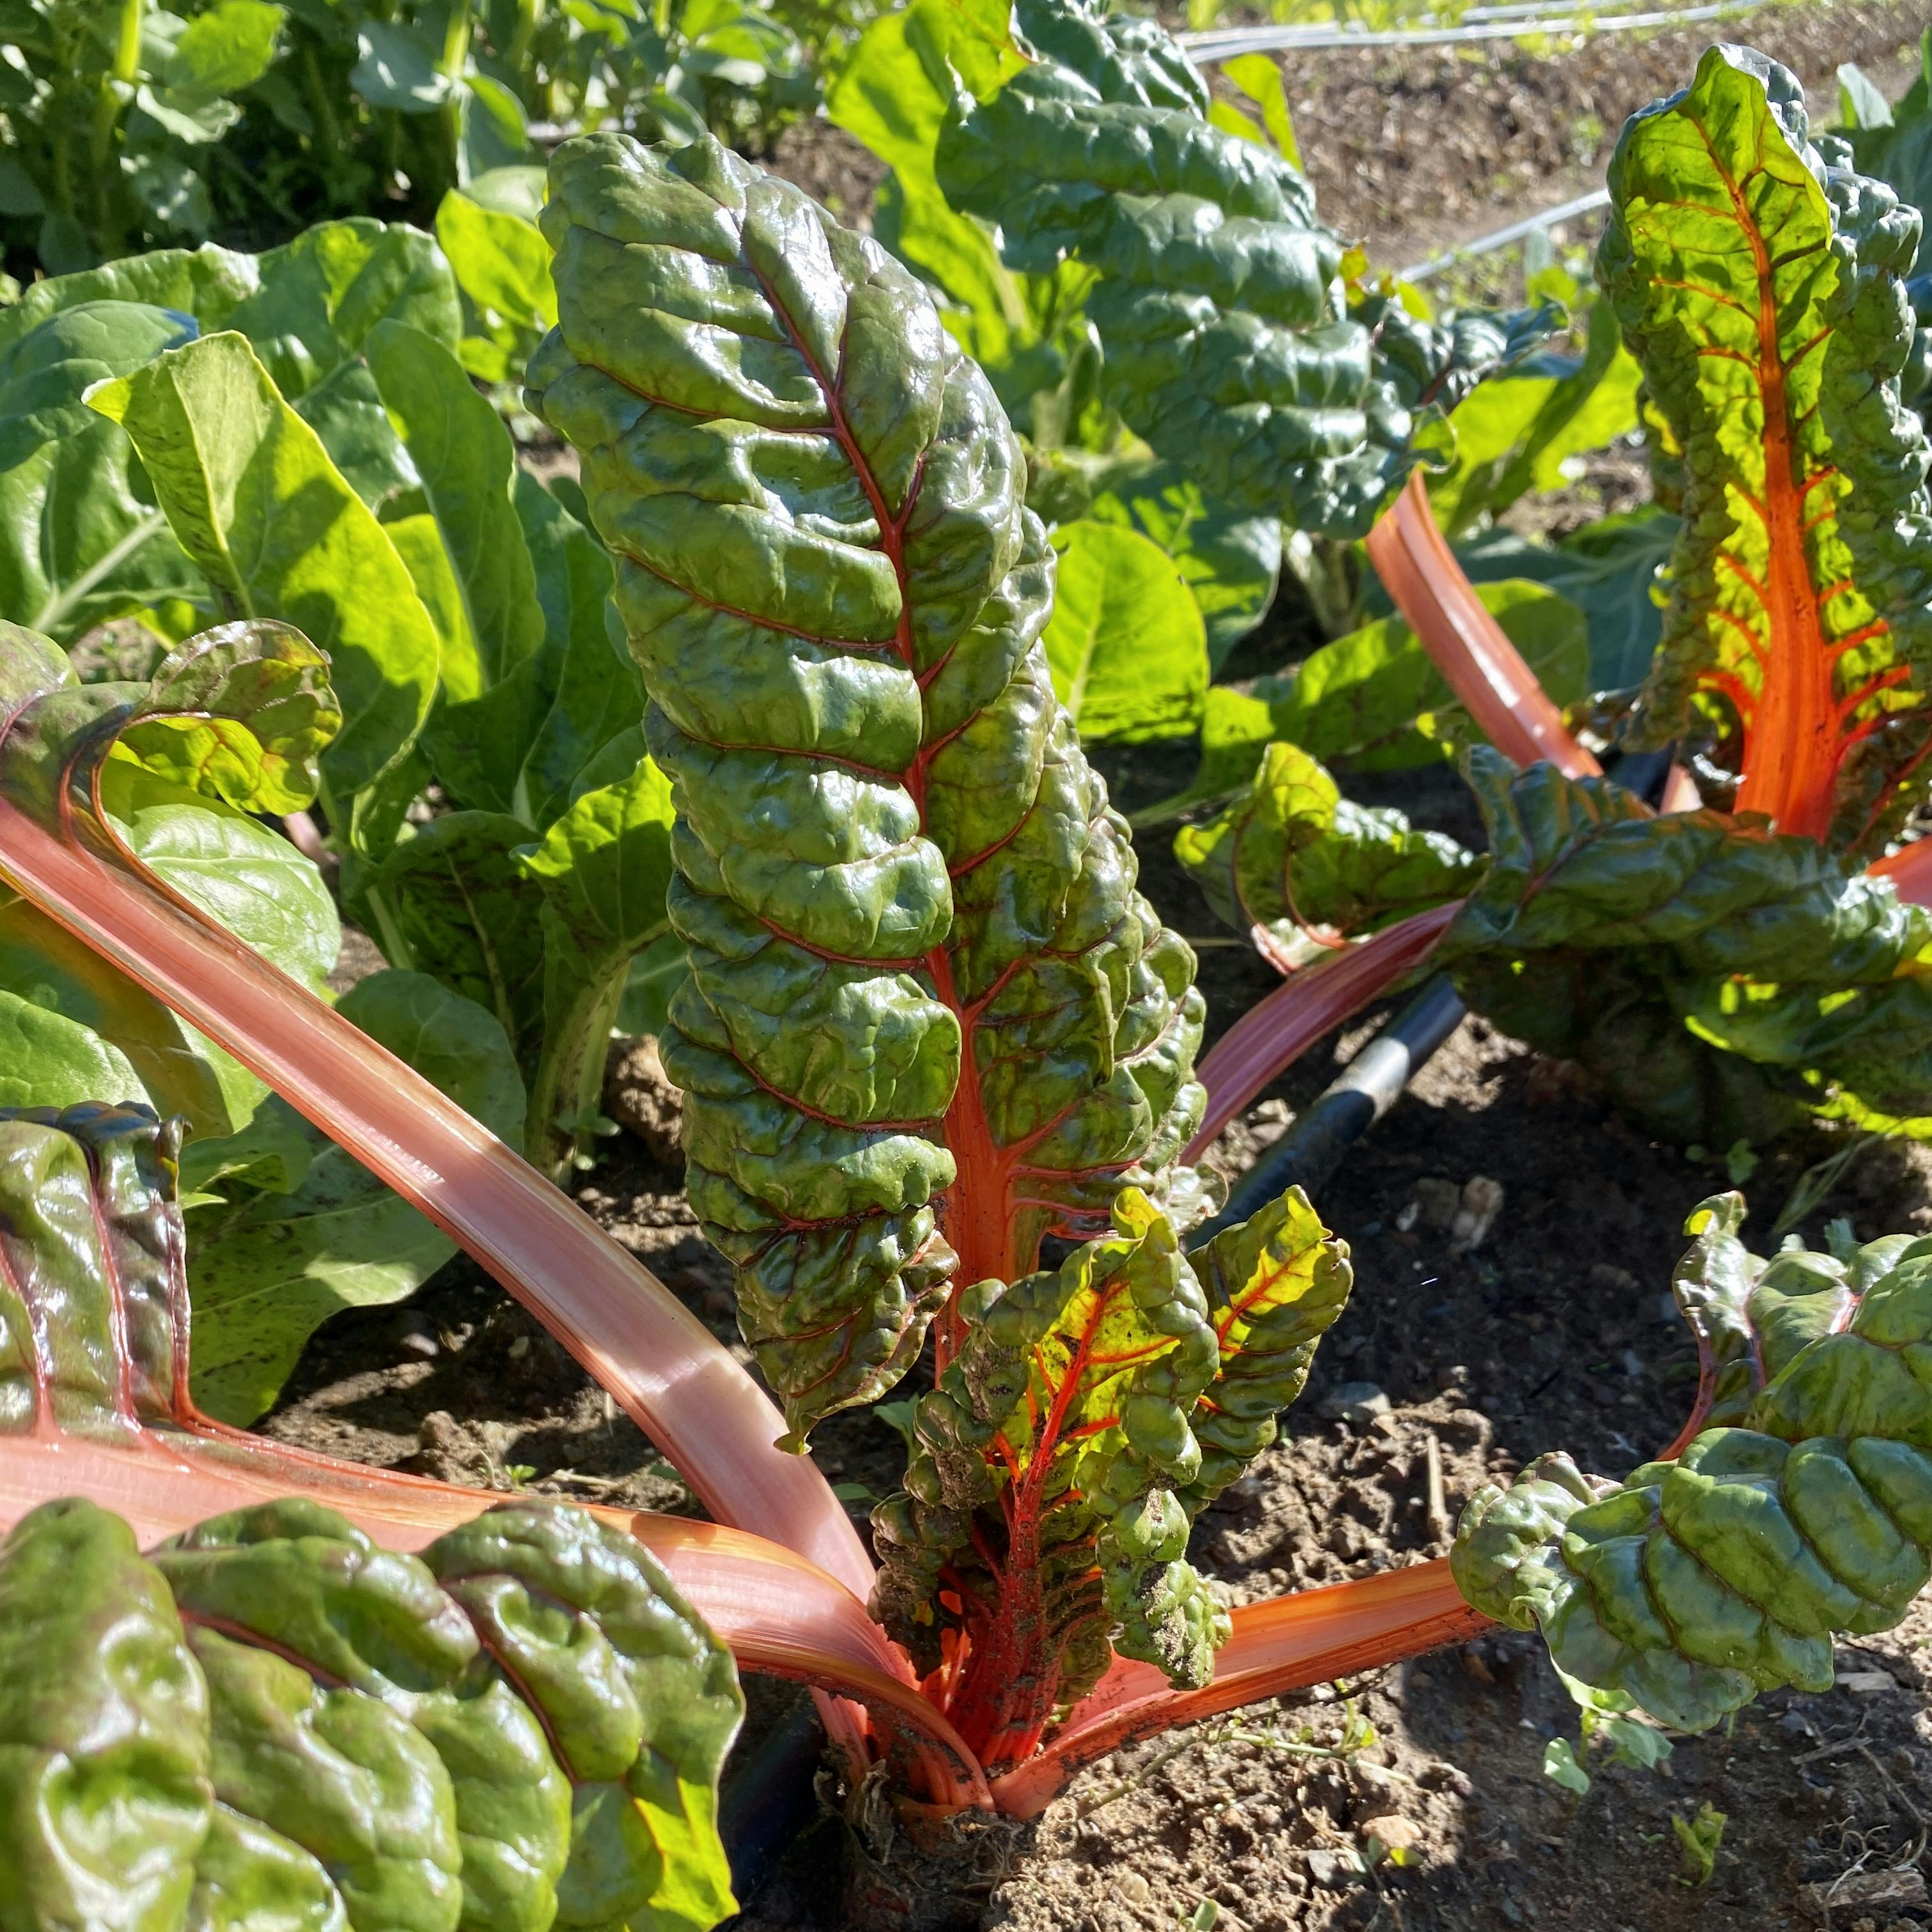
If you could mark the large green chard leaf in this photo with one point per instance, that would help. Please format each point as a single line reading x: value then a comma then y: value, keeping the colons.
x: 1302, y: 869
x: 1802, y: 1506
x: 254, y: 499
x: 886, y: 832
x: 1644, y: 947
x: 231, y: 724
x: 269, y: 1267
x: 81, y: 540
x: 1760, y: 290
x: 1060, y: 1458
x: 1224, y: 346
x: 521, y: 1727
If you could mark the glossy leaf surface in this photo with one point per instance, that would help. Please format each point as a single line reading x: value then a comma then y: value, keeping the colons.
x: 1761, y: 290
x: 1725, y: 1571
x: 1301, y: 868
x: 887, y: 836
x: 1644, y: 946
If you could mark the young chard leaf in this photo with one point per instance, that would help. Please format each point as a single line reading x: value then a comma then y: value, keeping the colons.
x: 1302, y: 869
x: 231, y: 724
x: 1759, y: 287
x: 929, y: 862
x: 1723, y: 1570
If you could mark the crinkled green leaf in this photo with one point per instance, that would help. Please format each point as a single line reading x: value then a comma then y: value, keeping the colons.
x: 1275, y: 1285
x: 254, y: 498
x: 1126, y: 643
x: 1644, y: 946
x: 1760, y: 291
x: 641, y: 1700
x: 1700, y: 1581
x: 884, y: 819
x: 239, y: 713
x: 269, y: 1268
x: 1894, y: 143
x: 521, y: 1727
x: 1069, y: 1403
x: 1223, y: 346
x: 1302, y: 868
x: 104, y: 1799
x: 1058, y: 1465
x: 265, y: 706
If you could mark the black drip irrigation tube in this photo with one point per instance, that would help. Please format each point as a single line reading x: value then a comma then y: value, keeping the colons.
x: 1324, y: 1132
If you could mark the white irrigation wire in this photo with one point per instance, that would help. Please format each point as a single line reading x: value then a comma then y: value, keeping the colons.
x: 1220, y: 43
x: 1516, y: 231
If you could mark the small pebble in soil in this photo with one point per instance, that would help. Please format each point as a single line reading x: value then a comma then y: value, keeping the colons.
x: 1359, y: 1403
x: 416, y: 1342
x: 1867, y: 1683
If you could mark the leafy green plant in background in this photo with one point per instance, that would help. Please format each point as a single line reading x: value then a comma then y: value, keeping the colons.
x: 1164, y: 331
x: 284, y: 1227
x: 461, y: 607
x: 129, y: 124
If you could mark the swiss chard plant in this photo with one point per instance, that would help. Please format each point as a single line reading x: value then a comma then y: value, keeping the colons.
x: 1721, y: 970
x: 1793, y: 1506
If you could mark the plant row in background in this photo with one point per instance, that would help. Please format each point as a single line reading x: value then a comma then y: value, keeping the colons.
x: 124, y: 123
x: 767, y: 739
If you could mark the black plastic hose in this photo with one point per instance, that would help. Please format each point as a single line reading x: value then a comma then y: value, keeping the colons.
x: 1313, y: 1148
